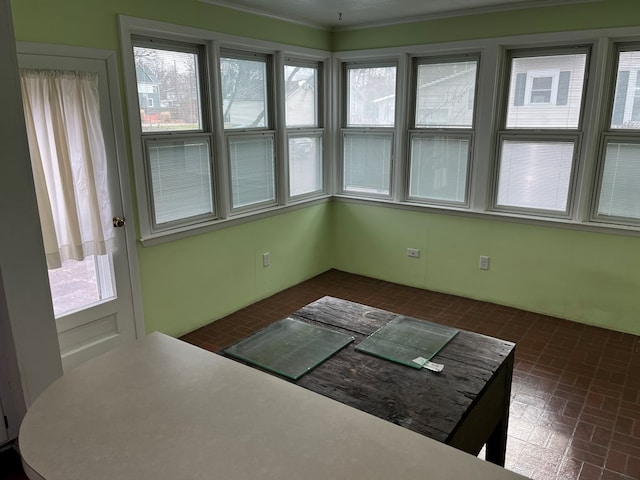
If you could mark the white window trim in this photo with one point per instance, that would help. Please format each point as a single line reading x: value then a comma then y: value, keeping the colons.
x: 317, y: 130
x: 574, y: 135
x: 488, y: 102
x: 608, y: 134
x: 467, y: 133
x: 401, y: 64
x: 215, y: 42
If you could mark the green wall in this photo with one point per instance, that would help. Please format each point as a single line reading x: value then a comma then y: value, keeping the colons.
x: 94, y: 23
x: 584, y: 16
x: 188, y: 283
x: 588, y: 277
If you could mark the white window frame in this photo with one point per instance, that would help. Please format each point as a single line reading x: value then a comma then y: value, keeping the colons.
x: 549, y: 135
x: 616, y: 135
x: 363, y: 131
x: 172, y: 136
x: 318, y: 130
x: 150, y: 140
x: 268, y: 130
x: 464, y: 133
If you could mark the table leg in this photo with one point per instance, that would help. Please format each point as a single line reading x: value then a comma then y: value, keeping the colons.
x: 496, y: 447
x: 497, y: 444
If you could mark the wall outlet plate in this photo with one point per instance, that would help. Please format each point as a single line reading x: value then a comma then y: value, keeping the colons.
x: 413, y: 252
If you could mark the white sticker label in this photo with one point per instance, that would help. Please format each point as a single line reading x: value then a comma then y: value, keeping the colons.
x: 424, y: 363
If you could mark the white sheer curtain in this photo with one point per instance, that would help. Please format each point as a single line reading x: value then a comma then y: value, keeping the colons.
x: 68, y: 157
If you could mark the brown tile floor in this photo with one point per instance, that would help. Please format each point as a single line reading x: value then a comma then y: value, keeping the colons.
x: 575, y: 406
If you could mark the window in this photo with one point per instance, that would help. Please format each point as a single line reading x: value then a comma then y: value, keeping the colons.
x: 305, y: 136
x: 176, y: 138
x: 540, y: 139
x: 222, y: 130
x: 180, y: 178
x: 618, y: 191
x: 442, y: 133
x: 541, y: 89
x: 368, y: 133
x: 246, y: 100
x: 510, y: 133
x: 626, y: 106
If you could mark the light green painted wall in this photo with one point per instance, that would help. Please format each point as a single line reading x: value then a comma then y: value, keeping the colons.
x: 588, y: 277
x: 188, y: 283
x: 591, y: 15
x: 94, y: 23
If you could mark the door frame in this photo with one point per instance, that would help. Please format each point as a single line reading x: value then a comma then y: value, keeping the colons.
x: 115, y: 100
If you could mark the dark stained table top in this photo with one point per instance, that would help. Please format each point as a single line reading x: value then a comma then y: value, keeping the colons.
x: 426, y: 402
x: 433, y: 404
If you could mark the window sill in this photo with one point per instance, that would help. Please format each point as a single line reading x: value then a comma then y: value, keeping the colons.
x: 588, y: 226
x: 186, y: 231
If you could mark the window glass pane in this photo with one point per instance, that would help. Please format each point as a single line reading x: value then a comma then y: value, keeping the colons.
x: 168, y: 89
x: 626, y: 104
x: 546, y: 91
x: 367, y: 163
x: 180, y: 179
x: 439, y: 168
x: 445, y: 94
x: 305, y: 164
x: 620, y: 189
x: 252, y: 170
x: 81, y: 284
x: 371, y: 96
x: 244, y: 93
x: 301, y: 96
x: 535, y: 174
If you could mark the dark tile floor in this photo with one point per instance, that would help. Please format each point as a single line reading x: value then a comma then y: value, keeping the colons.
x: 575, y: 405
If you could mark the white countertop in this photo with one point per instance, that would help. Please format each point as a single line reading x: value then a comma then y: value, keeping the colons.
x: 160, y: 408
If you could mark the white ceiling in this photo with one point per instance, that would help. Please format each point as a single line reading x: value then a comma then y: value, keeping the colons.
x: 347, y: 14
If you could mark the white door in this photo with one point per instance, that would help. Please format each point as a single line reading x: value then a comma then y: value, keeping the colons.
x: 96, y: 301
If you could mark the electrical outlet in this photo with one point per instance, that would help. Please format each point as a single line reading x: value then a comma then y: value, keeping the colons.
x: 484, y: 263
x: 413, y: 252
x: 266, y: 259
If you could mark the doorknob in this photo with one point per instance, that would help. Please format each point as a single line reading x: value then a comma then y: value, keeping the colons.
x: 119, y: 222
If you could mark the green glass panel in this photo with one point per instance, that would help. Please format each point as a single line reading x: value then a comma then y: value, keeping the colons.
x: 404, y: 338
x: 289, y: 347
